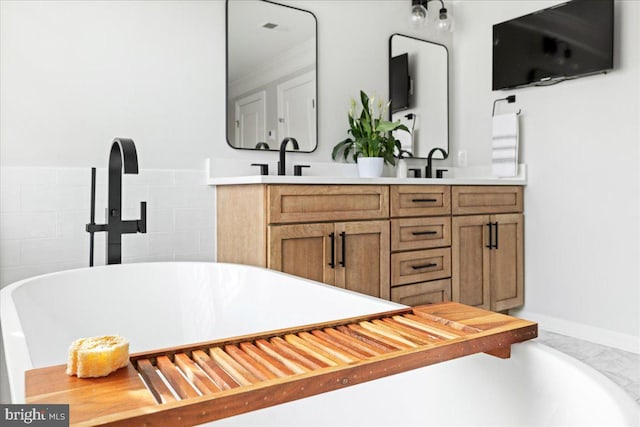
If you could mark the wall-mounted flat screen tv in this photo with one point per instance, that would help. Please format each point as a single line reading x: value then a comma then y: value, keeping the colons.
x: 399, y: 82
x: 565, y: 41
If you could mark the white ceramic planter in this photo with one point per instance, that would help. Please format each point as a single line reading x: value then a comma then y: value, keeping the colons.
x: 370, y: 167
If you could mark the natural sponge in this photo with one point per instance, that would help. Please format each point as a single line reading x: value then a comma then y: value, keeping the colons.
x: 97, y: 356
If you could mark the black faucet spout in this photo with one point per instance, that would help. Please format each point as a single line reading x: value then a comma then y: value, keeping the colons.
x: 282, y: 170
x: 123, y: 158
x: 429, y: 168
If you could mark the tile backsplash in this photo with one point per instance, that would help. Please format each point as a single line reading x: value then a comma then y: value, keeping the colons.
x: 43, y: 212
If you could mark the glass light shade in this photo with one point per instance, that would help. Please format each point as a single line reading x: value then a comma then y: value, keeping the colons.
x: 418, y: 16
x: 445, y: 21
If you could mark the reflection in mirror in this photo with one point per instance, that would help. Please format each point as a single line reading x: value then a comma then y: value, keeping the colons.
x: 419, y: 93
x: 271, y: 75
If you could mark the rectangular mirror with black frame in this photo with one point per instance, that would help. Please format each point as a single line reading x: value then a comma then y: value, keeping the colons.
x: 271, y: 75
x: 419, y: 93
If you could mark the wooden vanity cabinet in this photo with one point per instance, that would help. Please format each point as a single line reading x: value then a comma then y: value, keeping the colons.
x: 488, y: 246
x: 413, y: 244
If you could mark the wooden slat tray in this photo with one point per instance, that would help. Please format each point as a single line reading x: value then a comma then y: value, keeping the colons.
x: 208, y: 381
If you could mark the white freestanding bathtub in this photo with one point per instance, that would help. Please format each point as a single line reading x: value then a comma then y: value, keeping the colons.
x: 167, y: 304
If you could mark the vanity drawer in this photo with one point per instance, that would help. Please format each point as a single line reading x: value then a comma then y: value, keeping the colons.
x: 486, y: 199
x: 420, y: 233
x: 420, y: 200
x: 420, y: 266
x: 316, y: 203
x: 422, y: 293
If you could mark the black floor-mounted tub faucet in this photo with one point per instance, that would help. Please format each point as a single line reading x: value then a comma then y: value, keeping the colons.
x: 123, y: 158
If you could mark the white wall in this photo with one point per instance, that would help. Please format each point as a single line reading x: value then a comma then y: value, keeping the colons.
x: 76, y: 74
x: 580, y: 140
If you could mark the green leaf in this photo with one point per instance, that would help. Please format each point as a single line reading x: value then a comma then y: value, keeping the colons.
x: 364, y: 99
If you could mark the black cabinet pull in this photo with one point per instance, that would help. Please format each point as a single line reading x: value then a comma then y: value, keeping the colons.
x: 493, y: 235
x: 490, y: 245
x: 343, y: 262
x: 332, y: 262
x: 424, y: 233
x: 424, y: 200
x: 418, y: 267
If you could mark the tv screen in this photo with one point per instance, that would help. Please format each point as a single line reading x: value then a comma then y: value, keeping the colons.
x: 399, y: 81
x: 565, y: 41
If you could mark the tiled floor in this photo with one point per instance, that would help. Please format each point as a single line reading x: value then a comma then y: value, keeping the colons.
x: 621, y: 366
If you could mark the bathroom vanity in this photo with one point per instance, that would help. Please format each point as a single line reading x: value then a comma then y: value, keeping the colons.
x: 410, y: 243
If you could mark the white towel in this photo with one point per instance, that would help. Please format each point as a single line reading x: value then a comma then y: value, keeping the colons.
x: 504, y: 145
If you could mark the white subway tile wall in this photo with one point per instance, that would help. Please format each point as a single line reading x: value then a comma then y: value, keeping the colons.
x: 43, y: 212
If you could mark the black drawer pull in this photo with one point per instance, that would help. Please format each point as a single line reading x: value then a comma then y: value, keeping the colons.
x: 424, y: 200
x: 424, y: 233
x: 418, y: 267
x: 344, y: 249
x: 332, y: 263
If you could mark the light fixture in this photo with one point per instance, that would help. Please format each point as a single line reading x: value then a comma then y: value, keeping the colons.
x: 419, y: 14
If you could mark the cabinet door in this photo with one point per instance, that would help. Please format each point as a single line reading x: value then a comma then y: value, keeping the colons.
x: 471, y: 261
x: 362, y: 263
x: 303, y: 250
x: 507, y: 263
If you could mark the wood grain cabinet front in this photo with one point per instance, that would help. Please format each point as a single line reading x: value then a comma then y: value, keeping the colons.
x: 488, y: 251
x: 319, y: 203
x: 351, y: 255
x: 420, y: 233
x: 420, y: 266
x: 420, y: 200
x: 420, y: 243
x: 433, y: 292
x: 305, y: 250
x: 414, y: 244
x: 483, y: 199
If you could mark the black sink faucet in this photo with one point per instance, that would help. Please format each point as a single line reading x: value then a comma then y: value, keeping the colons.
x: 428, y: 170
x: 122, y: 158
x: 282, y: 170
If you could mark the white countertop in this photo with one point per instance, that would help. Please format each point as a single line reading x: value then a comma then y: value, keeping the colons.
x: 239, y: 172
x: 327, y: 180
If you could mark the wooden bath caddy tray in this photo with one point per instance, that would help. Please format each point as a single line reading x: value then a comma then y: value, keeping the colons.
x: 208, y: 381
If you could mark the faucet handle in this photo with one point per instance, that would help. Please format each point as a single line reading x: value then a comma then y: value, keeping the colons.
x: 264, y: 168
x: 141, y: 224
x: 297, y: 169
x: 417, y: 172
x: 440, y: 172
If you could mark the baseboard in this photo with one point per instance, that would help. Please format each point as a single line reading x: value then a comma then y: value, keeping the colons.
x: 593, y: 334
